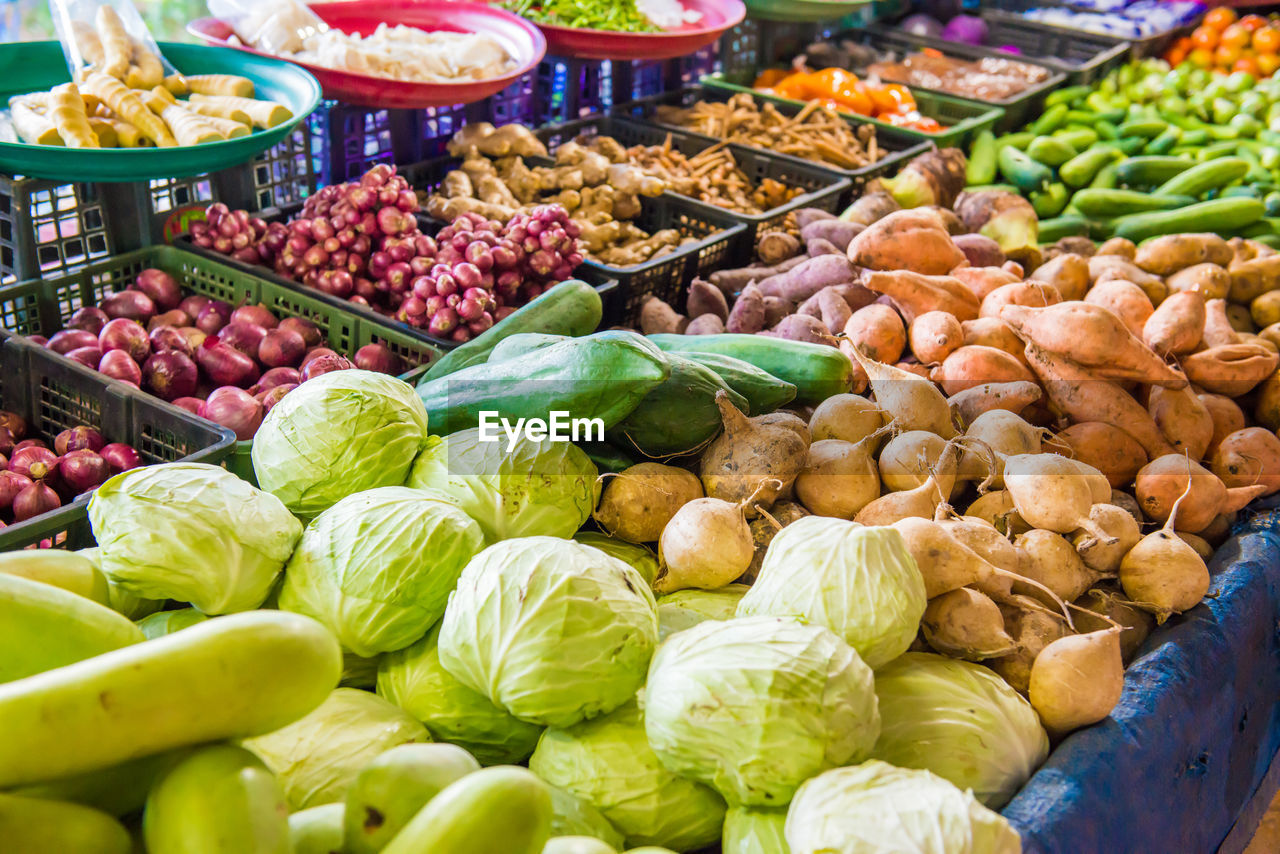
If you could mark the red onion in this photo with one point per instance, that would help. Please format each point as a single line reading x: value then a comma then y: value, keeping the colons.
x: 90, y: 318
x: 279, y: 376
x: 126, y: 336
x: 272, y: 396
x: 281, y: 348
x: 30, y: 443
x: 6, y: 443
x: 234, y: 409
x: 170, y: 374
x: 168, y: 338
x: 215, y: 315
x: 259, y: 315
x: 176, y: 317
x: 224, y: 364
x: 71, y: 339
x: 378, y: 357
x: 192, y: 404
x: 243, y: 336
x: 11, y: 483
x: 78, y: 439
x: 119, y: 366
x: 194, y: 304
x: 120, y: 457
x: 195, y: 337
x: 325, y: 365
x: 316, y: 353
x: 134, y: 305
x: 83, y: 470
x: 161, y: 287
x: 33, y: 500
x: 32, y: 462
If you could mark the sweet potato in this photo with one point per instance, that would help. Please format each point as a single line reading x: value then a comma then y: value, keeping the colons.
x: 1244, y: 250
x: 1072, y: 244
x: 1122, y: 246
x: 805, y: 216
x: 1012, y: 397
x: 1176, y: 326
x: 1217, y: 326
x: 1125, y: 300
x: 1264, y: 310
x: 870, y: 208
x: 979, y: 250
x: 1015, y: 269
x: 1267, y: 403
x: 1183, y: 419
x: 934, y: 335
x: 878, y: 331
x: 656, y: 316
x: 705, y: 324
x: 774, y: 247
x: 1246, y: 338
x: 1036, y: 294
x: 1208, y: 280
x: 983, y: 280
x: 775, y: 308
x: 1093, y: 338
x: 1104, y: 268
x: 821, y: 246
x: 836, y: 232
x: 1069, y: 273
x: 916, y: 293
x: 1233, y: 370
x: 706, y: 298
x: 802, y: 327
x: 1109, y: 449
x: 906, y: 240
x: 1253, y: 278
x: 1173, y: 252
x: 833, y: 310
x: 733, y: 281
x: 748, y: 312
x: 993, y: 332
x: 949, y: 220
x: 1240, y: 319
x: 807, y: 278
x: 913, y: 367
x: 1227, y: 417
x: 1164, y: 480
x: 1249, y: 456
x: 972, y: 366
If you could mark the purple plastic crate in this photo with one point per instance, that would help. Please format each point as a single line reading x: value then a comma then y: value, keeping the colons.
x: 569, y: 89
x: 516, y: 103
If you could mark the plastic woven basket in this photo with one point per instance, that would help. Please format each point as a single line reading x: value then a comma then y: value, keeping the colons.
x: 53, y: 394
x: 1152, y: 45
x: 41, y: 308
x: 823, y: 188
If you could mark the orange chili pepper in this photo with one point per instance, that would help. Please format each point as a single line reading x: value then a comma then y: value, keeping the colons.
x: 793, y: 86
x: 771, y: 77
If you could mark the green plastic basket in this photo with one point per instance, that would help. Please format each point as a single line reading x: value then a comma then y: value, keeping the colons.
x: 41, y: 308
x: 963, y: 120
x: 36, y: 66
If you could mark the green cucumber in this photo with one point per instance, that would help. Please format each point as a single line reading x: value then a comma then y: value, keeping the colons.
x: 1050, y: 150
x: 317, y: 830
x: 995, y: 188
x: 764, y: 392
x: 1131, y: 145
x: 678, y: 416
x: 981, y: 167
x: 1018, y: 140
x: 1219, y: 215
x: 1113, y: 203
x: 1022, y: 171
x: 1241, y: 192
x: 1051, y: 201
x: 1050, y: 120
x: 391, y: 789
x: 1151, y: 170
x: 1107, y: 176
x: 569, y: 308
x: 601, y: 376
x: 1146, y: 128
x: 816, y: 370
x: 1067, y: 95
x: 1205, y: 176
x: 1069, y: 225
x: 1164, y: 142
x: 1078, y: 139
x: 1107, y: 130
x: 117, y: 790
x: 1081, y: 169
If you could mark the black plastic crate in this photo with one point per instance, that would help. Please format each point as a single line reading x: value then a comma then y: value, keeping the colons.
x: 900, y: 146
x: 1018, y: 109
x: 718, y: 241
x: 824, y: 188
x: 1153, y: 45
x: 54, y: 393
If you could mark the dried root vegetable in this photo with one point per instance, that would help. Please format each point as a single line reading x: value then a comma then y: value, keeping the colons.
x: 711, y: 176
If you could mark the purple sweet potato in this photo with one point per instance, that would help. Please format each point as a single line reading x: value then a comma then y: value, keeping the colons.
x: 748, y: 312
x: 705, y: 324
x: 821, y: 246
x: 835, y: 312
x: 981, y: 250
x: 809, y: 277
x: 775, y: 308
x: 835, y: 231
x: 804, y: 216
x: 801, y: 327
x: 706, y: 298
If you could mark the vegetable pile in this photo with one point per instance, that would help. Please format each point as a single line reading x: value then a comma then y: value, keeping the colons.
x: 887, y: 102
x: 36, y: 478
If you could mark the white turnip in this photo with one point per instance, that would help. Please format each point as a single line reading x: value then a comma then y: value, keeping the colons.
x: 707, y: 544
x: 752, y: 458
x: 1051, y: 561
x: 1077, y: 680
x: 908, y: 458
x: 839, y: 478
x: 1053, y: 492
x: 966, y: 624
x: 1119, y: 524
x: 1163, y: 573
x: 638, y: 502
x: 911, y: 401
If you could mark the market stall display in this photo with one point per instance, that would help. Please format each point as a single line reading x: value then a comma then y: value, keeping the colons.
x: 1226, y: 42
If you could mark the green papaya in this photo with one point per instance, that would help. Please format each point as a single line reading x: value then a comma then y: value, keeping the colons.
x: 38, y: 826
x: 43, y: 627
x: 394, y: 787
x: 577, y: 845
x: 521, y: 343
x: 229, y: 677
x: 118, y: 790
x: 318, y: 830
x: 163, y: 623
x: 505, y: 808
x: 679, y: 416
x: 219, y: 800
x: 71, y: 571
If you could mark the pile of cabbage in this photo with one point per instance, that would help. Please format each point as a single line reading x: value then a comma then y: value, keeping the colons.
x: 784, y: 717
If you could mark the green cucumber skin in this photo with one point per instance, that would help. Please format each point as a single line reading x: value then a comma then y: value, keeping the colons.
x: 816, y: 370
x: 1219, y: 215
x: 764, y: 392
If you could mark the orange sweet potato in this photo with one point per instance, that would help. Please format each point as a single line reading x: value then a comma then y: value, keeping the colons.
x: 1069, y: 273
x: 1177, y: 325
x: 1227, y: 417
x: 915, y: 293
x: 934, y: 335
x: 975, y: 365
x: 1163, y: 481
x: 1125, y: 300
x: 1035, y: 294
x: 878, y: 332
x: 993, y: 332
x: 1104, y: 268
x: 1173, y: 252
x: 1183, y: 419
x: 1249, y: 456
x: 1232, y: 370
x: 1109, y: 449
x: 983, y: 280
x: 1217, y: 325
x: 906, y: 240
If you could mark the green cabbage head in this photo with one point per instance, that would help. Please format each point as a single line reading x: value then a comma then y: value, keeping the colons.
x: 754, y: 831
x: 163, y: 623
x: 684, y: 609
x: 317, y: 757
x: 875, y: 808
x: 572, y: 816
x: 607, y: 762
x: 641, y: 558
x: 377, y: 567
x: 338, y: 434
x: 860, y: 582
x: 413, y: 679
x: 536, y: 489
x: 550, y: 630
x: 191, y: 532
x: 962, y: 722
x: 754, y: 706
